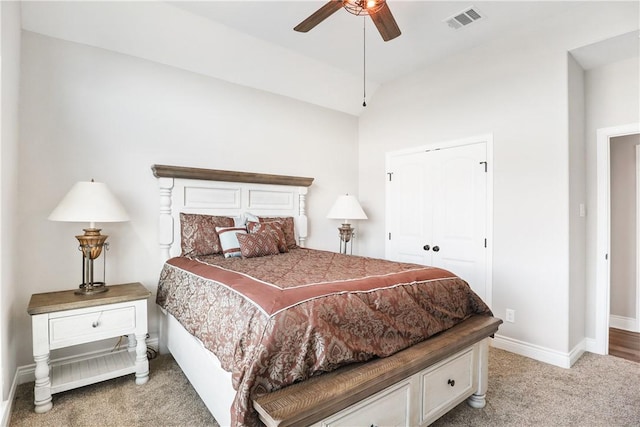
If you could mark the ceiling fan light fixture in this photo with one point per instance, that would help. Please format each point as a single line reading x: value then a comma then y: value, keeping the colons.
x: 363, y: 7
x: 378, y: 11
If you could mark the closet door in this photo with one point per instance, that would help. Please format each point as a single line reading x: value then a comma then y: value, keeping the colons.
x: 436, y: 211
x: 408, y: 215
x: 459, y: 208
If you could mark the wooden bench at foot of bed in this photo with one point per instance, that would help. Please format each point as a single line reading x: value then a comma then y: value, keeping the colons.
x: 415, y: 386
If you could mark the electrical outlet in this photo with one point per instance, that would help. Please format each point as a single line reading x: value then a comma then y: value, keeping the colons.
x: 511, y: 315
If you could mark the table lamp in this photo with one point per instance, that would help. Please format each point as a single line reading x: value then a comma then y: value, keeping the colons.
x: 90, y: 202
x: 346, y: 207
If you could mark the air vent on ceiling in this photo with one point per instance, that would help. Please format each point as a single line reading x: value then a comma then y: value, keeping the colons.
x: 464, y: 18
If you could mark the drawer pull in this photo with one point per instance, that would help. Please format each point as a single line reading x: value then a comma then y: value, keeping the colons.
x: 451, y: 382
x: 96, y: 322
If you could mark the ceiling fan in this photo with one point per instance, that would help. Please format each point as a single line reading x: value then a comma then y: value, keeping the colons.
x: 378, y: 10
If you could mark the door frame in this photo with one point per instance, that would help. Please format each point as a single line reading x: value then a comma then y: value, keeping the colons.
x: 486, y: 139
x: 637, y: 328
x: 603, y: 230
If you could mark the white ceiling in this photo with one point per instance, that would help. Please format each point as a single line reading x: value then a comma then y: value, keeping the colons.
x: 252, y: 43
x: 338, y: 41
x: 607, y: 51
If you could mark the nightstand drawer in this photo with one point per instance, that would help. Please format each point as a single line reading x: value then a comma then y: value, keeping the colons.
x: 91, y: 326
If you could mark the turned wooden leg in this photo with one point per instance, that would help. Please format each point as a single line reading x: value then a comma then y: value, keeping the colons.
x: 142, y: 363
x: 42, y: 389
x: 478, y: 399
x: 131, y: 342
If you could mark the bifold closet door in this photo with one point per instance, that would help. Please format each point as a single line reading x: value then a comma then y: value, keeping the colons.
x: 436, y: 210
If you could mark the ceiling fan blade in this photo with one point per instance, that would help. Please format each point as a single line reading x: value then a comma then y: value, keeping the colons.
x: 386, y: 23
x: 319, y: 15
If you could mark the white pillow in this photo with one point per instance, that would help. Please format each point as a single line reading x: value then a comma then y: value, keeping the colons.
x: 248, y: 216
x: 229, y: 240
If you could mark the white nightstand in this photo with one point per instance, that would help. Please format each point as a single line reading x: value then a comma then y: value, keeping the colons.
x: 63, y: 319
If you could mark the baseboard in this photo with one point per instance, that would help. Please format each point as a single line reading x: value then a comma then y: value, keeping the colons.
x: 542, y: 354
x: 5, y: 410
x: 25, y: 374
x: 7, y: 405
x: 591, y: 345
x: 624, y: 323
x: 577, y: 352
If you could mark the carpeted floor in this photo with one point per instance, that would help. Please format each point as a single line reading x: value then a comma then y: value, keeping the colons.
x: 167, y: 399
x: 597, y: 391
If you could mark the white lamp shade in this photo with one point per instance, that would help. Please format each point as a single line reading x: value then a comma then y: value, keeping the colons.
x: 89, y: 202
x: 346, y: 207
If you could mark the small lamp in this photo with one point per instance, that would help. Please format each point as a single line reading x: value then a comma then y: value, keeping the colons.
x: 346, y: 207
x: 90, y: 202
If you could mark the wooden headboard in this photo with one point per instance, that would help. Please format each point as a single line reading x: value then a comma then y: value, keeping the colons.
x: 225, y: 193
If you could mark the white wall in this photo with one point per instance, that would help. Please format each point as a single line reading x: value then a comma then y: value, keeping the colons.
x: 9, y: 299
x: 577, y: 203
x: 516, y: 89
x: 611, y: 99
x: 91, y: 113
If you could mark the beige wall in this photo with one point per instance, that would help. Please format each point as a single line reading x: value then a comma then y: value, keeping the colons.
x: 623, y: 226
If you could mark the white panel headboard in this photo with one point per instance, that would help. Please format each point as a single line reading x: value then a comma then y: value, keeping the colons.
x: 225, y: 193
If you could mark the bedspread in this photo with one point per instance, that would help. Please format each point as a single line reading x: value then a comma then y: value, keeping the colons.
x: 280, y: 319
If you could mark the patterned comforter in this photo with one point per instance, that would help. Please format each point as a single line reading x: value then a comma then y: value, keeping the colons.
x: 280, y: 319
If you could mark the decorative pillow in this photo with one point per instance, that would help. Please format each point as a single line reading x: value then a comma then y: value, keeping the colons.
x: 288, y: 227
x: 229, y: 240
x: 248, y: 216
x: 198, y: 233
x: 239, y: 221
x: 273, y: 227
x: 258, y: 244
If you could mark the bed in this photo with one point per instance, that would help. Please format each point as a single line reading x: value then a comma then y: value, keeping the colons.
x: 281, y: 315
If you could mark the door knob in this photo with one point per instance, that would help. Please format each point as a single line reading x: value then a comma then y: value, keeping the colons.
x: 436, y: 248
x: 426, y: 247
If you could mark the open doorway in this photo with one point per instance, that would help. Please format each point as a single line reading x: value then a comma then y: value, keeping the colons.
x: 614, y: 239
x: 624, y: 253
x: 624, y: 339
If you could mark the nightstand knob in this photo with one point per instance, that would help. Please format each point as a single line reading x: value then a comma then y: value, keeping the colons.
x: 451, y: 382
x: 95, y: 324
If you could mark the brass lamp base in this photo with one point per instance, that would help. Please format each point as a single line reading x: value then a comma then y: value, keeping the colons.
x: 91, y: 245
x: 346, y: 233
x: 91, y: 290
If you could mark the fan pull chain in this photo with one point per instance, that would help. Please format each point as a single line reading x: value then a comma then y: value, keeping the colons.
x: 364, y: 62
